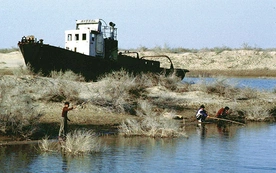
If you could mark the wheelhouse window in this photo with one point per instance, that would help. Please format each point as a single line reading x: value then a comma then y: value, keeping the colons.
x: 92, y: 37
x: 83, y: 36
x: 69, y: 37
x: 76, y: 37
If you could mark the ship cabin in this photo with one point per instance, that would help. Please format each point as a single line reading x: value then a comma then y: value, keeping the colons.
x: 90, y: 37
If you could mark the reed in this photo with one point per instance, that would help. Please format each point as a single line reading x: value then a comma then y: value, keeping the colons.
x: 81, y: 142
x: 78, y: 142
x: 46, y: 145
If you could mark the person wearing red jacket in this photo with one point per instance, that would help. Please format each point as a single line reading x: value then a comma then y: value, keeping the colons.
x: 63, y: 124
x: 223, y: 112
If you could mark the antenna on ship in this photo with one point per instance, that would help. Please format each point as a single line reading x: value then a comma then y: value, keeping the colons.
x: 112, y: 28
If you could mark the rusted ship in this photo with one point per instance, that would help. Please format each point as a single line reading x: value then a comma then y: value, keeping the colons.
x: 91, y: 49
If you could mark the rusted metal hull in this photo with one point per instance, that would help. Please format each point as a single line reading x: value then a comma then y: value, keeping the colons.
x: 44, y: 58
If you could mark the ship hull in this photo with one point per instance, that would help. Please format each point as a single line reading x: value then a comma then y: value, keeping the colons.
x: 44, y: 58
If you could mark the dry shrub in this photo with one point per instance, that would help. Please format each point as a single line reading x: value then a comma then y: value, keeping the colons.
x: 67, y: 75
x: 81, y: 142
x: 131, y: 127
x: 257, y: 112
x: 18, y: 112
x: 151, y: 124
x: 114, y: 91
x: 170, y: 82
x: 121, y: 90
x: 220, y: 87
x: 47, y: 145
x: 22, y: 71
x: 78, y: 142
x: 246, y: 94
x: 62, y: 90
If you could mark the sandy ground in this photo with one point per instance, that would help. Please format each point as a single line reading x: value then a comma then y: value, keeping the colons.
x: 226, y: 60
x: 229, y: 63
x: 11, y: 60
x: 235, y: 63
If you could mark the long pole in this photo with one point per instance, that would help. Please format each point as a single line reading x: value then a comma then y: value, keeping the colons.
x: 222, y: 119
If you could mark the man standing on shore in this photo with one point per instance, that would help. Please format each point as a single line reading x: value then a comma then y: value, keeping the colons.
x: 63, y: 124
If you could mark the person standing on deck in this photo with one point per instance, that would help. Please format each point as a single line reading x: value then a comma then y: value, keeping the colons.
x: 63, y: 123
x: 223, y: 112
x: 201, y: 114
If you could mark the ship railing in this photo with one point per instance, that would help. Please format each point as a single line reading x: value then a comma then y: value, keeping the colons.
x: 110, y: 32
x: 129, y: 52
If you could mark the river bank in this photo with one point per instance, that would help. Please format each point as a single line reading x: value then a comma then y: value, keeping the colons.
x: 103, y: 105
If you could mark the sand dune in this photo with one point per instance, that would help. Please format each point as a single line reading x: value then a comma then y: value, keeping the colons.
x: 11, y: 60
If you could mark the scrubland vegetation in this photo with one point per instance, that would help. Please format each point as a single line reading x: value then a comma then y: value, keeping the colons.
x: 167, y: 49
x: 136, y: 105
x: 8, y: 50
x: 30, y: 105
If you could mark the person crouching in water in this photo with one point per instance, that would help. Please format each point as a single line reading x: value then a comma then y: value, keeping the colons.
x: 63, y: 123
x: 223, y: 112
x: 201, y: 114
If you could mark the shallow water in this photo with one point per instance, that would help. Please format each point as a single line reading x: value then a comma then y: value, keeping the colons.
x: 209, y: 148
x: 268, y: 84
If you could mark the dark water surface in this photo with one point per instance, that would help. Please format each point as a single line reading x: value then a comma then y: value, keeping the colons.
x: 209, y: 148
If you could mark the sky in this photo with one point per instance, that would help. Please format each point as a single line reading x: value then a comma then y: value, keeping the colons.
x: 192, y: 24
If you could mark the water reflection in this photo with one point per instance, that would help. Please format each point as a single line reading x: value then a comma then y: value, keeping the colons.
x: 223, y: 130
x: 209, y: 148
x: 15, y: 158
x: 65, y: 165
x: 202, y: 130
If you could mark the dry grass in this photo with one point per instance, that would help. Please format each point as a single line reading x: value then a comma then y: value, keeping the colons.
x: 150, y: 124
x: 47, y: 145
x: 121, y: 91
x: 257, y: 112
x: 20, y: 98
x: 81, y: 142
x: 222, y: 87
x: 19, y: 111
x: 67, y: 75
x: 78, y: 142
